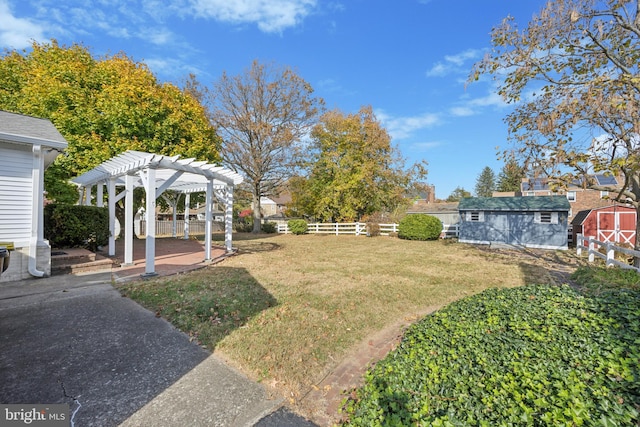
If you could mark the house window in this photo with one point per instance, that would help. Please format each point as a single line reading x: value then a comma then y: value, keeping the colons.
x: 475, y: 216
x: 546, y: 218
x: 604, y: 194
x: 571, y: 196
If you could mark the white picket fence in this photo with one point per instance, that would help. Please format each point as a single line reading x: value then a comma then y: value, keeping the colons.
x: 594, y: 247
x: 359, y: 229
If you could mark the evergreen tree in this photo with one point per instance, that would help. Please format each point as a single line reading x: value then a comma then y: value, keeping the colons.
x: 510, y: 176
x: 486, y: 183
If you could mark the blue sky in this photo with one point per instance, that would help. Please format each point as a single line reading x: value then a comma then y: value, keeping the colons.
x: 408, y: 59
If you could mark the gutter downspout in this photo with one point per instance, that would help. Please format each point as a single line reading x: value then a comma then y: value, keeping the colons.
x: 37, y: 220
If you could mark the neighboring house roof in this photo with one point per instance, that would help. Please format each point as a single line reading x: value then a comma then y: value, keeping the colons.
x: 542, y: 184
x: 422, y: 207
x: 531, y: 203
x: 280, y: 200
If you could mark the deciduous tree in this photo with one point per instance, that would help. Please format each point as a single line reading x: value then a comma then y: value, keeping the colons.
x: 262, y: 115
x: 103, y: 107
x: 355, y: 169
x: 573, y: 77
x: 457, y: 194
x: 486, y: 183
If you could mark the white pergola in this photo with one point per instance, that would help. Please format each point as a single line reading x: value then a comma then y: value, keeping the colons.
x: 158, y: 173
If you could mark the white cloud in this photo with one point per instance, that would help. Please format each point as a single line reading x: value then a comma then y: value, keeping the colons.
x: 461, y: 111
x: 438, y: 70
x: 405, y: 127
x: 424, y: 146
x: 17, y: 33
x: 490, y: 100
x: 271, y: 16
x: 472, y: 106
x: 462, y: 57
x: 454, y: 64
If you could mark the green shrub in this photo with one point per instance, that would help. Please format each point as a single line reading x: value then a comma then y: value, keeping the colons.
x: 269, y: 227
x: 243, y: 227
x: 419, y: 227
x: 76, y: 226
x: 297, y: 226
x: 533, y: 355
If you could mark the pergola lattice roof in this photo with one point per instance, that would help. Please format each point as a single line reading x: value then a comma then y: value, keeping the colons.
x: 193, y: 178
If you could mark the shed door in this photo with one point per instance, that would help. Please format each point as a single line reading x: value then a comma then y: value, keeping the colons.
x: 617, y: 227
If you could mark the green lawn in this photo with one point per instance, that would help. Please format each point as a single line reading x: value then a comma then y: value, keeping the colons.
x: 287, y: 308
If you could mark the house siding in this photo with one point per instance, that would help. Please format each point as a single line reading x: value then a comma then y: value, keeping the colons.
x: 16, y: 188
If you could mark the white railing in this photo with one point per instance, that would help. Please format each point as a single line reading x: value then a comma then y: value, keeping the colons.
x: 165, y: 228
x: 360, y: 229
x: 594, y: 247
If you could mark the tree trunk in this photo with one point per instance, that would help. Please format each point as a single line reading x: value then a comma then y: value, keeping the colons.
x: 257, y: 208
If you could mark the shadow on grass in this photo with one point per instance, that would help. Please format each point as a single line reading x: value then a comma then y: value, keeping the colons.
x: 538, y: 266
x: 207, y: 304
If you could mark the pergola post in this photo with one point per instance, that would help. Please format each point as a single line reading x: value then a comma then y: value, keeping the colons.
x: 228, y: 218
x: 87, y: 195
x: 150, y: 248
x: 111, y: 195
x: 187, y: 202
x: 128, y: 220
x: 207, y: 221
x: 99, y: 195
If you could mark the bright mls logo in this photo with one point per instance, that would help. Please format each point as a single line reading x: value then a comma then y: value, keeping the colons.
x: 34, y: 415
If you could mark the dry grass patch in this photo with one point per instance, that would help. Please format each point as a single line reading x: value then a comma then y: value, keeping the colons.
x: 286, y: 309
x: 333, y: 291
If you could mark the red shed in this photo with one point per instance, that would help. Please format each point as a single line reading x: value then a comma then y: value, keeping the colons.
x: 616, y: 224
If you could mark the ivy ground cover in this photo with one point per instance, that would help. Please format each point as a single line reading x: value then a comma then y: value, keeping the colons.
x: 534, y: 355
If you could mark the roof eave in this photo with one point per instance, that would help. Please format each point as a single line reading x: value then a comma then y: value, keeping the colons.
x: 27, y: 140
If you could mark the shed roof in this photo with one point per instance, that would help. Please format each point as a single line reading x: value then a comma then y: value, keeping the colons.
x: 518, y: 203
x: 194, y: 177
x: 580, y: 217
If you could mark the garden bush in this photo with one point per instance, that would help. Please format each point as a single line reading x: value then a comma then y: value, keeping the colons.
x: 297, y: 226
x: 269, y: 227
x: 419, y: 227
x: 76, y: 226
x: 528, y: 356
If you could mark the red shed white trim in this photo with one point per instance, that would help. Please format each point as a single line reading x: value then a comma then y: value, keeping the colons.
x: 615, y: 224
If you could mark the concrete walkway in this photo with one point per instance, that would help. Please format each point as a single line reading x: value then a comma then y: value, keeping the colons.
x: 73, y: 339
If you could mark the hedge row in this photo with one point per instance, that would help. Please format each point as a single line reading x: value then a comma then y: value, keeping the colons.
x: 76, y: 226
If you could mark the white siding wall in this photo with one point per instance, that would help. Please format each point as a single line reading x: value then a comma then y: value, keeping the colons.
x: 16, y: 164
